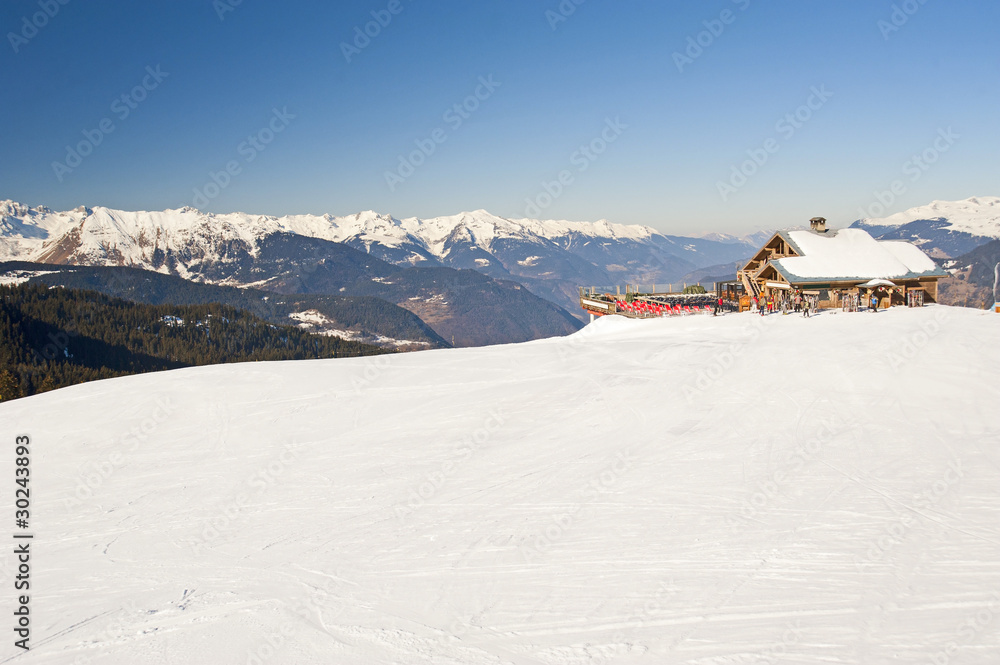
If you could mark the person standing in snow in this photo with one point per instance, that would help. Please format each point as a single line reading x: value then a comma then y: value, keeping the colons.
x: 874, y: 303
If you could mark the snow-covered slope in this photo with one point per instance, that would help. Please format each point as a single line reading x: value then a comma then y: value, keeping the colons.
x: 941, y: 228
x: 640, y: 492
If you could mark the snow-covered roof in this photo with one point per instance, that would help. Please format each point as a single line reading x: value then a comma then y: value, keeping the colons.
x: 852, y: 254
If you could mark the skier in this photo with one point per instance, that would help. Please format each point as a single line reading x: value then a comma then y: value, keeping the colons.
x: 875, y: 303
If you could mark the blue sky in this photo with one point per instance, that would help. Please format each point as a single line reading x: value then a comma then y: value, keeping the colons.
x: 307, y: 125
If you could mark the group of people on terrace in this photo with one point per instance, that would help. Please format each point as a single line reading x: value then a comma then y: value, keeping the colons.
x: 794, y: 301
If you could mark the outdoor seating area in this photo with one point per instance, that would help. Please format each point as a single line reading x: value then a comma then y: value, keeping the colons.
x: 644, y: 305
x: 653, y: 308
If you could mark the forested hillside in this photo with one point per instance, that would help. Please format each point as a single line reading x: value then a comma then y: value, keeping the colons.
x: 369, y: 315
x: 56, y: 337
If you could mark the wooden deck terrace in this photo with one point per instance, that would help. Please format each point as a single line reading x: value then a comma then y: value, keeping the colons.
x: 648, y: 306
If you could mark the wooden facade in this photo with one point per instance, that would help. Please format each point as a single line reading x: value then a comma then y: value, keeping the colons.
x: 763, y: 277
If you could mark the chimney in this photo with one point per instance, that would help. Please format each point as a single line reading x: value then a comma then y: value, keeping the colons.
x: 818, y: 224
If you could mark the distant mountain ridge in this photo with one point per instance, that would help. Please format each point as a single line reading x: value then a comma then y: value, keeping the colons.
x: 974, y: 277
x: 980, y: 264
x: 943, y: 229
x: 552, y: 258
x: 140, y: 237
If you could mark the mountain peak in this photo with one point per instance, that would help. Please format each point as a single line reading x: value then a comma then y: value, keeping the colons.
x: 976, y: 215
x: 13, y: 208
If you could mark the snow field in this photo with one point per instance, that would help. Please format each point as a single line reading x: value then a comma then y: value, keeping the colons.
x: 693, y: 490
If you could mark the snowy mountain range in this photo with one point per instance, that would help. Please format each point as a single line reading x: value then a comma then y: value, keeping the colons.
x: 943, y: 229
x: 184, y: 238
x: 291, y: 255
x: 552, y: 258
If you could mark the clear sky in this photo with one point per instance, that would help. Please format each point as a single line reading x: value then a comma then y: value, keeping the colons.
x: 136, y: 105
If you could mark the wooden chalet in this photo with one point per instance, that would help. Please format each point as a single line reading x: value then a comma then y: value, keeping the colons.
x: 841, y: 268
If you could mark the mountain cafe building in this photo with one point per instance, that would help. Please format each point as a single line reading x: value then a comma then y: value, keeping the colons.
x: 844, y: 268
